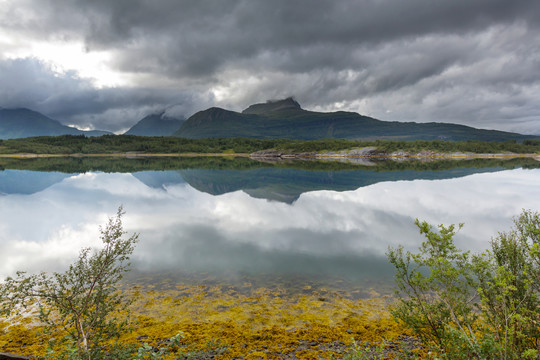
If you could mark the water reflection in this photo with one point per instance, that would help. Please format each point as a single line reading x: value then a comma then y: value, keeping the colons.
x: 287, y: 185
x: 230, y: 227
x: 28, y: 182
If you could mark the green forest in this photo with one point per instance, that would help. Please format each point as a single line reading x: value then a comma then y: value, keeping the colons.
x: 114, y: 144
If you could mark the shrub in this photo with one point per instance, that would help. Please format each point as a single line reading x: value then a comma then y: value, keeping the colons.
x: 484, y: 306
x: 82, y: 300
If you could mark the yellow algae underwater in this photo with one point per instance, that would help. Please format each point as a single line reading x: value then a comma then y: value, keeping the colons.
x: 231, y: 321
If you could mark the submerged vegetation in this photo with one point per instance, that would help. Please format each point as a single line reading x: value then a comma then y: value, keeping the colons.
x: 450, y: 305
x: 242, y: 320
x: 110, y: 144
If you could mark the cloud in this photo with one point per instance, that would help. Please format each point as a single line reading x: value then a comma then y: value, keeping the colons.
x: 73, y: 100
x: 472, y: 62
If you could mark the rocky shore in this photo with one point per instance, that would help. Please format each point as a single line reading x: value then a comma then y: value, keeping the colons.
x: 373, y: 153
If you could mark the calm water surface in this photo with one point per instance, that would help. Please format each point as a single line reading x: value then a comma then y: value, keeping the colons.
x: 261, y: 223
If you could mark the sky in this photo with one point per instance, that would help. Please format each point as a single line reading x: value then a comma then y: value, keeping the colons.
x: 105, y: 64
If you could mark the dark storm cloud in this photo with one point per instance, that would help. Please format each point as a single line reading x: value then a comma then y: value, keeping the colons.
x: 468, y: 61
x: 187, y: 38
x: 206, y: 34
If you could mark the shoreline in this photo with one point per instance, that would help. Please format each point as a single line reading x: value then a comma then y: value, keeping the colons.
x: 127, y: 155
x: 266, y: 155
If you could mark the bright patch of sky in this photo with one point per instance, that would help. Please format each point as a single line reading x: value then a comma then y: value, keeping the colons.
x: 65, y: 57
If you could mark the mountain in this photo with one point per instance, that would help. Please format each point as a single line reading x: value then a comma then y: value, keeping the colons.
x: 155, y: 125
x: 273, y: 106
x: 286, y: 119
x: 20, y: 123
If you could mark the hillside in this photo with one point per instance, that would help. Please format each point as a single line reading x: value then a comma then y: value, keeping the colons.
x: 155, y: 125
x: 21, y: 123
x: 286, y: 119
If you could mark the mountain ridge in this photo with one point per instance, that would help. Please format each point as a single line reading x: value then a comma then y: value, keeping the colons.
x: 273, y: 119
x: 286, y: 119
x: 23, y: 122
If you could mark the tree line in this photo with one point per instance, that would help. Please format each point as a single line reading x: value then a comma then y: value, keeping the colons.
x: 109, y: 144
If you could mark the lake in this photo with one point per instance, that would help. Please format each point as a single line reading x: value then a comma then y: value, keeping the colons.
x: 232, y: 220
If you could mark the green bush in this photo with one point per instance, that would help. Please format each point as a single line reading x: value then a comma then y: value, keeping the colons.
x: 84, y: 300
x: 484, y: 306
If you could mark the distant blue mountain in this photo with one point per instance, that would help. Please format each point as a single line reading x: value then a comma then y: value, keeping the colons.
x: 21, y: 123
x: 155, y: 125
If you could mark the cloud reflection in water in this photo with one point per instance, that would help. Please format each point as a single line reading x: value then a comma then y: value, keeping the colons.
x: 323, y: 233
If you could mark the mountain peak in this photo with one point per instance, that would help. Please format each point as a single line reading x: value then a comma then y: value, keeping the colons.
x: 273, y: 105
x: 157, y: 124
